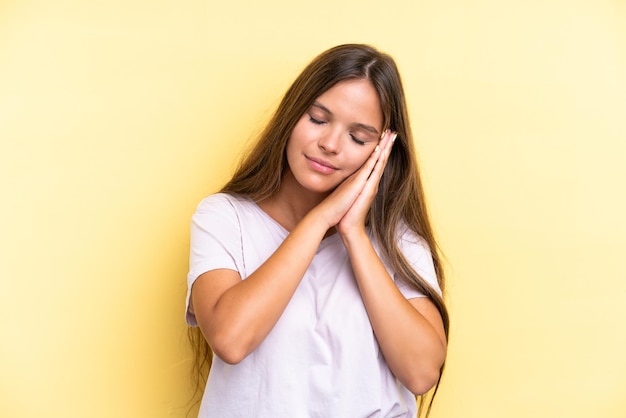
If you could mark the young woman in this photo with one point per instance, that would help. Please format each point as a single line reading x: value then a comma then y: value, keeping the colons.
x: 314, y: 277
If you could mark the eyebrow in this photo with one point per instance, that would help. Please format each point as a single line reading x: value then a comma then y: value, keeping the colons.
x: 368, y: 128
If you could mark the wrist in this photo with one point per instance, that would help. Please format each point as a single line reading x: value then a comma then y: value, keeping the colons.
x: 354, y: 235
x: 317, y: 222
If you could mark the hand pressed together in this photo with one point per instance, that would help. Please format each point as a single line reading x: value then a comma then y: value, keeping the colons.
x: 347, y: 206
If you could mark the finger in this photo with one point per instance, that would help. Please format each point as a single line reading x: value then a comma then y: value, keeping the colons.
x: 371, y: 162
x: 363, y: 175
x: 357, y: 180
x: 385, y: 150
x: 366, y: 169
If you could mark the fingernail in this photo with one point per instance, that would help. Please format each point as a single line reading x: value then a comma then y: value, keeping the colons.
x: 377, y: 148
x: 393, y: 138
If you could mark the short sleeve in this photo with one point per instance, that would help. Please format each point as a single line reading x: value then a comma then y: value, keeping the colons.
x: 215, y: 242
x: 417, y: 252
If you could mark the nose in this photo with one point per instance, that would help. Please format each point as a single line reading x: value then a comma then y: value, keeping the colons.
x: 330, y: 142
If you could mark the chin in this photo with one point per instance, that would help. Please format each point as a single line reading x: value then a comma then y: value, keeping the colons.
x: 322, y: 189
x: 322, y: 185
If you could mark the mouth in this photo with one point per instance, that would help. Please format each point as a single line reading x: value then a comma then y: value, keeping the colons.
x: 320, y: 165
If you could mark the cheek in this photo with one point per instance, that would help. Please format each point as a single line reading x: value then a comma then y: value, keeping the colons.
x: 358, y: 161
x: 363, y: 157
x: 300, y: 129
x: 297, y: 137
x: 289, y: 151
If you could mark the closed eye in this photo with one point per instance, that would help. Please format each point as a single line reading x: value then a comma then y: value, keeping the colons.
x: 316, y: 121
x: 357, y: 140
x: 322, y: 122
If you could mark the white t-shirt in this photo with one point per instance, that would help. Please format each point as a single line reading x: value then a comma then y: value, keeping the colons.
x: 321, y: 359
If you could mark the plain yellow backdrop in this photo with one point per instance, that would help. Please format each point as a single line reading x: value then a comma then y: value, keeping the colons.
x: 117, y: 117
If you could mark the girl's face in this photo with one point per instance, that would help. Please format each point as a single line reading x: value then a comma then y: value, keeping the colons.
x: 335, y: 136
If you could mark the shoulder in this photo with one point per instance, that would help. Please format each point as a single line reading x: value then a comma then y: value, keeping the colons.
x: 224, y: 205
x: 222, y: 211
x: 413, y: 247
x: 221, y: 201
x: 418, y: 254
x: 408, y: 238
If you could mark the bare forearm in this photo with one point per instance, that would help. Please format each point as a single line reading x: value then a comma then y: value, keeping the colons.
x: 246, y: 312
x: 413, y: 348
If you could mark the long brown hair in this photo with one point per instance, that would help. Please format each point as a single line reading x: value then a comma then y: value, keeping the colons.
x: 400, y: 197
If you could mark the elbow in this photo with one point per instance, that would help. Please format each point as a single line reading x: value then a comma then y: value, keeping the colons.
x: 229, y: 349
x: 425, y: 374
x: 229, y: 356
x: 227, y: 342
x: 422, y: 382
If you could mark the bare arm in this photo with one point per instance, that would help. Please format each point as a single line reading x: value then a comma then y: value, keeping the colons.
x: 236, y: 315
x: 410, y: 332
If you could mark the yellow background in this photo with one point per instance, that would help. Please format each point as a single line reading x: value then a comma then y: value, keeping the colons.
x: 117, y: 117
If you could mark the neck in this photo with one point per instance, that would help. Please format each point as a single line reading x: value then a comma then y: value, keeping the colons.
x: 291, y: 202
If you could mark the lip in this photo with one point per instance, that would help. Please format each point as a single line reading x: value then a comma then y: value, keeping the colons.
x: 320, y: 165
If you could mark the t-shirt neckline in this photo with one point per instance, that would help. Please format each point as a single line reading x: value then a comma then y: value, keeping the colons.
x: 323, y: 243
